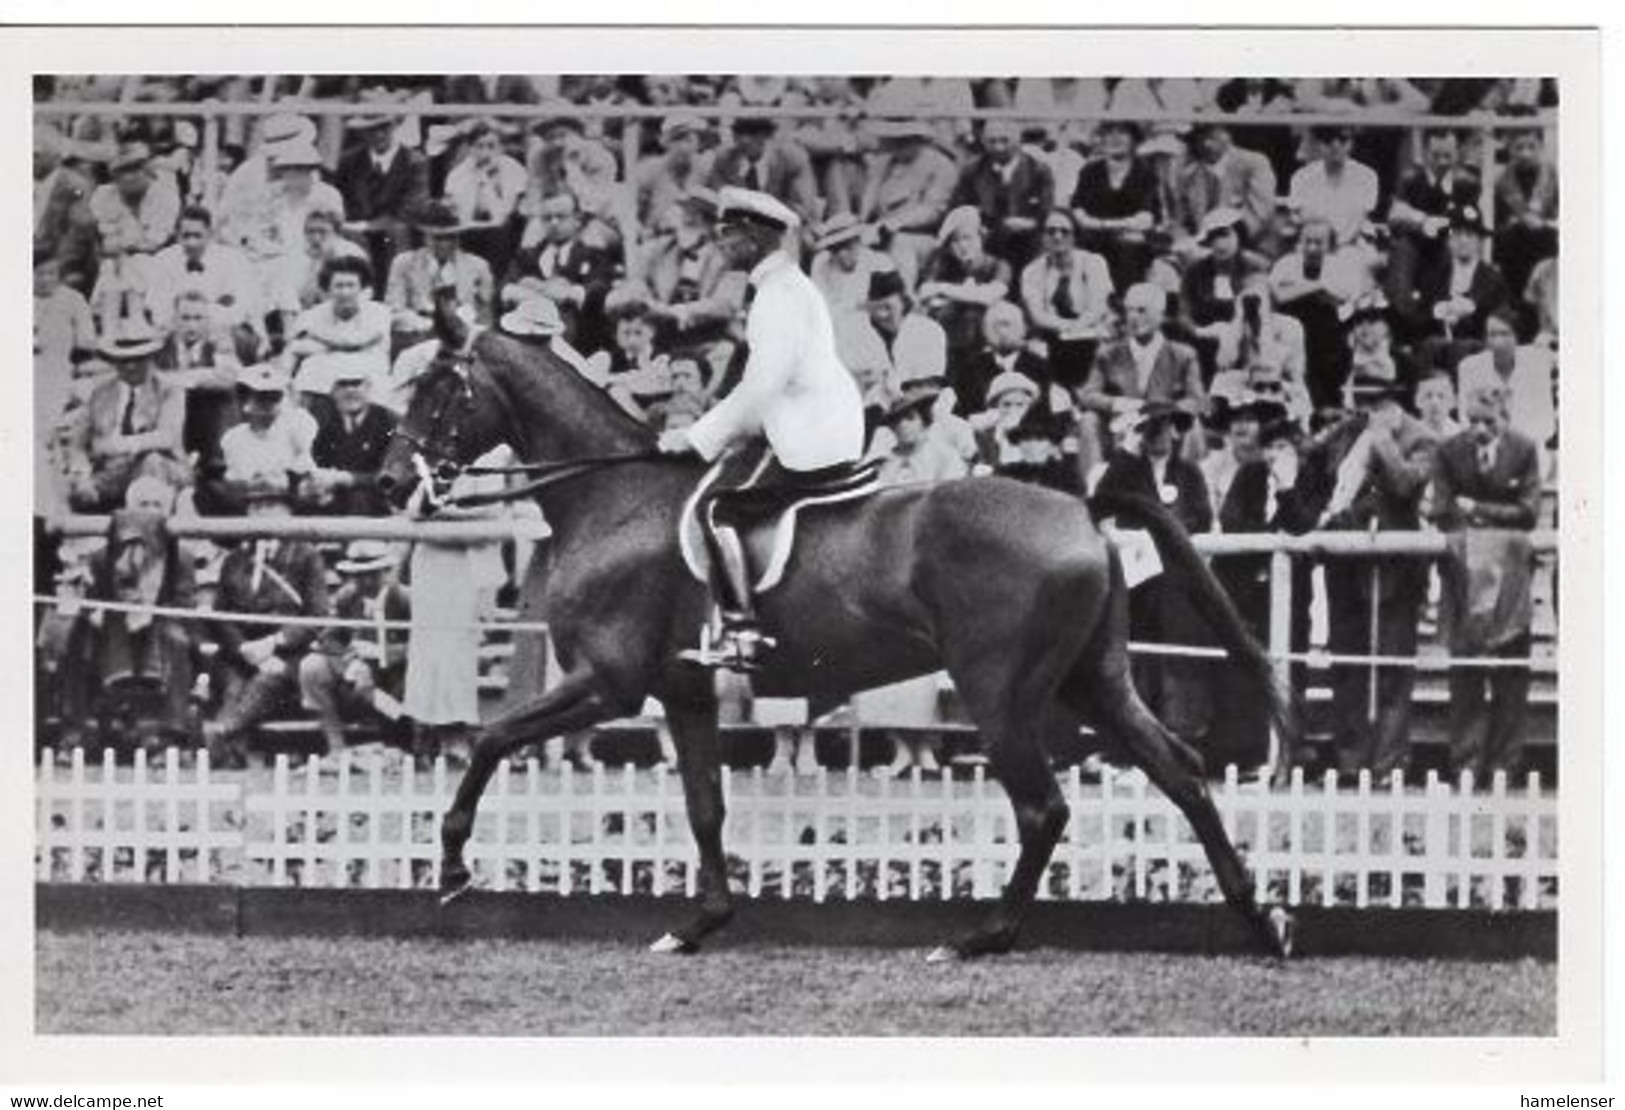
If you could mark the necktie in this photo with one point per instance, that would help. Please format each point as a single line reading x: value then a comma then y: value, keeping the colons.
x: 1062, y: 301
x: 127, y: 425
x: 753, y: 176
x: 194, y: 265
x: 1486, y: 457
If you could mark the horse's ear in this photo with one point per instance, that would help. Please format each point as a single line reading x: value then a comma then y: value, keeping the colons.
x: 448, y: 327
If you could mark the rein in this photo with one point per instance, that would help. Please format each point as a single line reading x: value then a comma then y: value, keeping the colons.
x: 547, y: 474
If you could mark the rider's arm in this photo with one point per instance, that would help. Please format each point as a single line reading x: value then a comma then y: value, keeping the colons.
x: 775, y: 333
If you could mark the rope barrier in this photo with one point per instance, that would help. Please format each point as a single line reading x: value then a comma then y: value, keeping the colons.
x: 70, y: 606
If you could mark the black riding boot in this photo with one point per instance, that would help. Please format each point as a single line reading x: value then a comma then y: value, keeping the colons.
x: 741, y: 639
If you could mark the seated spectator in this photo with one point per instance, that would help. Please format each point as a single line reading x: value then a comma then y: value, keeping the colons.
x: 573, y: 264
x: 221, y: 273
x: 131, y: 426
x: 415, y: 275
x: 1040, y: 456
x: 638, y: 371
x: 1459, y: 295
x: 1222, y: 175
x: 484, y: 189
x: 1312, y: 285
x: 889, y: 338
x: 1066, y: 291
x: 1372, y: 352
x: 1420, y: 216
x: 1010, y: 396
x: 1117, y: 203
x: 1525, y: 374
x: 1210, y: 293
x: 1011, y: 190
x: 835, y: 144
x: 64, y: 330
x: 761, y: 161
x: 662, y: 180
x: 1526, y: 197
x: 1486, y: 484
x: 1176, y: 689
x: 953, y: 432
x: 117, y: 655
x: 137, y: 210
x: 348, y: 321
x: 691, y: 291
x: 247, y: 194
x: 960, y: 280
x: 1436, y: 404
x: 256, y: 665
x: 1258, y: 336
x: 273, y: 443
x: 1540, y: 297
x: 1334, y: 187
x: 296, y: 279
x: 348, y: 450
x: 1143, y: 366
x: 914, y: 454
x: 1006, y: 351
x: 844, y: 263
x: 273, y: 233
x: 383, y: 184
x: 206, y: 368
x: 564, y: 159
x: 907, y: 193
x: 355, y: 674
x: 64, y: 226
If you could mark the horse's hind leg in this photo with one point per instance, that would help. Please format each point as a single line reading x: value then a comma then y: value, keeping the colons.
x: 1176, y: 770
x: 571, y: 705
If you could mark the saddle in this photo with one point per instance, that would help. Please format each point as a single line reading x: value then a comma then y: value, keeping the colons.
x: 768, y: 540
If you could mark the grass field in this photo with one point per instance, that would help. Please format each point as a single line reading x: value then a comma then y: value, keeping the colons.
x: 163, y: 983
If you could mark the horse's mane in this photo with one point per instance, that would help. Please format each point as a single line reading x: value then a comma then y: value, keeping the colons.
x: 534, y: 374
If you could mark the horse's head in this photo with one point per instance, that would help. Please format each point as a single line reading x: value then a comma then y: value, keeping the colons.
x: 456, y: 415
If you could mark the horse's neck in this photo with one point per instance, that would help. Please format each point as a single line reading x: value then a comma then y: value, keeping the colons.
x: 615, y: 501
x: 559, y: 415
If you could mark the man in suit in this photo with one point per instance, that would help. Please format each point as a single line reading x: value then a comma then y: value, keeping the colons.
x: 1223, y: 175
x: 415, y: 275
x: 382, y: 183
x: 359, y: 672
x: 221, y: 272
x: 1526, y: 196
x: 1011, y: 189
x: 1420, y: 216
x: 1160, y: 611
x: 131, y: 426
x: 573, y: 266
x: 1211, y: 289
x: 207, y: 370
x: 908, y: 193
x: 1369, y: 472
x: 759, y: 161
x: 351, y: 438
x: 63, y: 224
x: 1006, y: 351
x: 1143, y: 367
x: 1488, y: 477
x: 257, y: 663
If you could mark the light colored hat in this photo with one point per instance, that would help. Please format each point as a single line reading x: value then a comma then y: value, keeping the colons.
x: 131, y: 156
x: 1165, y: 142
x: 533, y: 315
x: 263, y: 377
x: 295, y: 156
x: 363, y: 556
x: 135, y: 338
x: 964, y: 218
x: 681, y: 123
x: 1220, y: 219
x: 902, y: 129
x: 1011, y: 381
x: 351, y: 366
x: 840, y: 228
x: 737, y: 203
x: 286, y: 127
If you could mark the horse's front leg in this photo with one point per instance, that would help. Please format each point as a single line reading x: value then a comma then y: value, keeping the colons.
x: 571, y: 705
x: 694, y: 728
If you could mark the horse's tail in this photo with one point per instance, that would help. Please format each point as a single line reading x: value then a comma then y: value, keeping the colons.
x: 1204, y: 589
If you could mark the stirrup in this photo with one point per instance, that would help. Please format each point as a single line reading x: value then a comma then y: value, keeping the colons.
x: 738, y: 648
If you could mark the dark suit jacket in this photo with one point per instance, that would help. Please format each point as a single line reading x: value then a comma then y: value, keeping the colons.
x: 788, y: 170
x: 1030, y: 193
x: 158, y: 419
x: 1488, y: 292
x: 972, y: 377
x: 1507, y: 494
x: 1176, y: 377
x: 68, y: 230
x: 1131, y: 474
x: 350, y: 603
x: 359, y: 452
x: 1199, y: 291
x: 297, y: 564
x: 395, y: 195
x: 595, y: 269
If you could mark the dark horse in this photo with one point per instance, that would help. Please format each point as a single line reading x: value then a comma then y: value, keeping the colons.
x: 1010, y: 588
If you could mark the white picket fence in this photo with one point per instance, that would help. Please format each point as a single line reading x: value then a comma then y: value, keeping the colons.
x: 374, y: 823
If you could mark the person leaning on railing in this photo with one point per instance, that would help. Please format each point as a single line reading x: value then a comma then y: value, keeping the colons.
x: 1486, y: 494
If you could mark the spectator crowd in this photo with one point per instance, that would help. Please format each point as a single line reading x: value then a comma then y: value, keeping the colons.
x: 1265, y: 325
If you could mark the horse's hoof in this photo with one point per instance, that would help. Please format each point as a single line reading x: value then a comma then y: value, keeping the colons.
x: 671, y: 944
x: 452, y: 893
x: 944, y: 954
x: 1285, y: 929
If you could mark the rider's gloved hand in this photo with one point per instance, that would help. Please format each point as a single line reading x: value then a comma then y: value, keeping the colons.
x: 674, y: 441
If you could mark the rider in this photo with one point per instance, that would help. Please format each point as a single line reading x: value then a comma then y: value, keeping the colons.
x: 794, y: 392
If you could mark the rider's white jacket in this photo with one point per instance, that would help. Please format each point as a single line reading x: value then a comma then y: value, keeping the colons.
x: 794, y: 389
